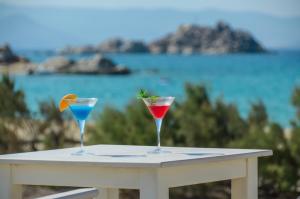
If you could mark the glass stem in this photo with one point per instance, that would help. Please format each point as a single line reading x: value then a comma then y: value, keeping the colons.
x: 158, y: 126
x: 81, y: 127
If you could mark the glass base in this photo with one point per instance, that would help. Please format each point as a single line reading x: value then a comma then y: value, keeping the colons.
x: 80, y: 152
x: 158, y: 151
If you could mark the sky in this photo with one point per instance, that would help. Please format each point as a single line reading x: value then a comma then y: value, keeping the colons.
x: 284, y: 8
x: 30, y: 24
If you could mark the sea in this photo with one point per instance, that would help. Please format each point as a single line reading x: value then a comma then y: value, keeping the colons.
x: 242, y: 79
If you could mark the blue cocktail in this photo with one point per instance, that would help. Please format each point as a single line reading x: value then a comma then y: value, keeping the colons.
x: 81, y: 108
x: 81, y: 112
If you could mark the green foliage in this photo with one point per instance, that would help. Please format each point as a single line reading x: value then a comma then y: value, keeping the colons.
x: 12, y: 101
x: 294, y: 141
x: 16, y: 122
x: 54, y: 127
x: 12, y: 110
x: 203, y: 123
x: 54, y: 137
x: 112, y: 125
x: 9, y: 141
x: 258, y: 116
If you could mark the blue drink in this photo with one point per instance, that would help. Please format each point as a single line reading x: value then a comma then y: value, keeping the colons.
x: 81, y: 112
x: 81, y: 108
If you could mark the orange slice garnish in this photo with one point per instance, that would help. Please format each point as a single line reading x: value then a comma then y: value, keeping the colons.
x: 66, y: 101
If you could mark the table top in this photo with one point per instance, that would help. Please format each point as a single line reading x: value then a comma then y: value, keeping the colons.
x: 131, y: 156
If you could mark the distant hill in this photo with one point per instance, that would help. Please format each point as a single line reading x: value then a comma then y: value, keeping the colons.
x: 23, y: 32
x: 34, y: 27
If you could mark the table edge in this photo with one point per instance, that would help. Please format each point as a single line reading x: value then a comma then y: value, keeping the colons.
x: 255, y: 154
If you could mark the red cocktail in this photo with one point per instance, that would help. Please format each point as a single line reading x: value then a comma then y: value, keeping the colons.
x: 158, y: 107
x: 158, y: 111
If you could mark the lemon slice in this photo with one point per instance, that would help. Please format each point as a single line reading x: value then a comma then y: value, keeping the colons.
x: 66, y: 101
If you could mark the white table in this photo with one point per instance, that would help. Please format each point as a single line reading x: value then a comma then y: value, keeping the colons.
x: 112, y: 167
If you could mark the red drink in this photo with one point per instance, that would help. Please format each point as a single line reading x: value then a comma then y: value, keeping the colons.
x: 158, y: 111
x: 158, y: 107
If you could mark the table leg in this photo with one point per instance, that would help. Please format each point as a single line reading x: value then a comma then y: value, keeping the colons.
x: 108, y: 193
x: 154, y: 193
x: 247, y: 187
x: 152, y: 187
x: 7, y: 189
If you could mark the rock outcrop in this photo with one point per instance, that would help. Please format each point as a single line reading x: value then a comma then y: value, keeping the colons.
x: 190, y: 39
x: 88, y: 49
x: 118, y: 45
x: 7, y: 56
x: 115, y: 45
x: 98, y: 64
x: 12, y: 63
x: 58, y: 64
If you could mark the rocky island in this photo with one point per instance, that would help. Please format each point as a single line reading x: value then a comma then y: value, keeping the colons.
x: 88, y: 49
x: 7, y: 56
x: 13, y: 63
x: 191, y: 39
x: 113, y: 45
x: 187, y: 39
x: 98, y: 64
x: 118, y: 45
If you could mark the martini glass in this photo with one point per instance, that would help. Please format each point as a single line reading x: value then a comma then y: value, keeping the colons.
x: 158, y: 108
x: 81, y: 108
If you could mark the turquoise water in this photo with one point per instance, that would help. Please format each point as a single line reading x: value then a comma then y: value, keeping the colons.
x: 81, y: 112
x: 240, y: 79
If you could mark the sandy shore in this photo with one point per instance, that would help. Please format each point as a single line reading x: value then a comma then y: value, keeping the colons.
x: 17, y: 68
